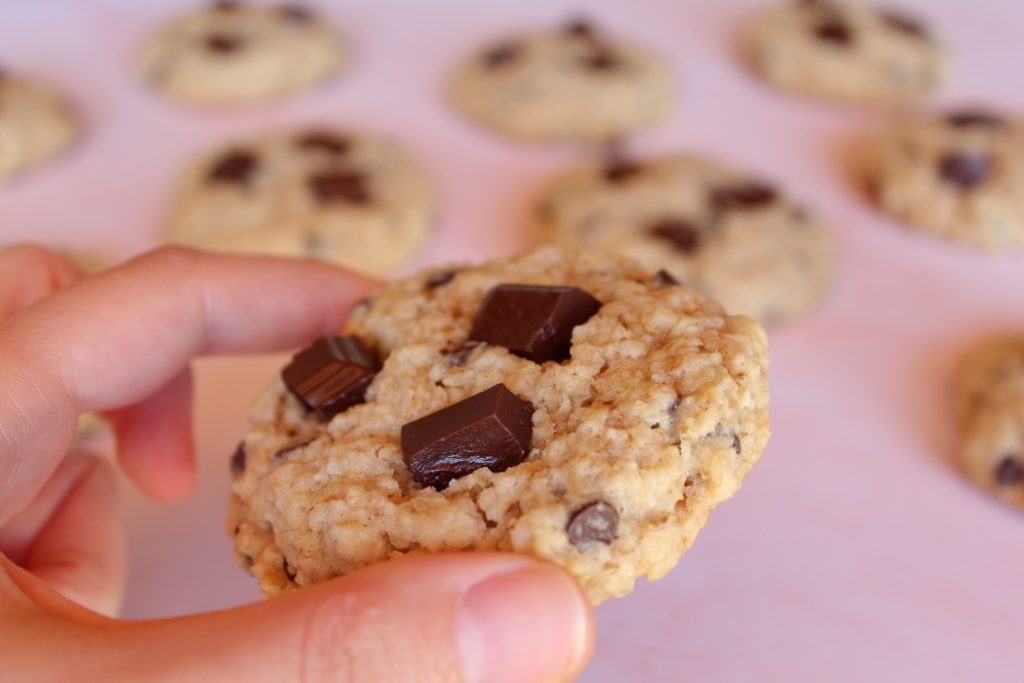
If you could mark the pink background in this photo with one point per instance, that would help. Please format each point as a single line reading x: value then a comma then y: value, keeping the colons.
x: 854, y: 552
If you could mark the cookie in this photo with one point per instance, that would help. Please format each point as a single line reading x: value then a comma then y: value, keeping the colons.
x: 959, y: 176
x: 35, y: 124
x: 570, y: 84
x: 990, y: 398
x: 568, y: 405
x: 232, y: 53
x: 351, y: 198
x: 740, y: 240
x: 844, y: 51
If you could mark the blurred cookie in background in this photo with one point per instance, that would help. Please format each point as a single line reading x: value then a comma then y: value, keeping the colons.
x: 354, y: 199
x: 959, y: 176
x: 36, y: 124
x: 740, y: 240
x: 572, y: 83
x: 232, y: 53
x: 844, y: 51
x: 990, y: 398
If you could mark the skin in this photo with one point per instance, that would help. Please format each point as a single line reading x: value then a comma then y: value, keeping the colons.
x: 121, y: 343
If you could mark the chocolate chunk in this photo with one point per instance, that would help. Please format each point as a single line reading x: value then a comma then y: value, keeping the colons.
x: 595, y: 522
x: 1009, y: 471
x: 238, y: 461
x: 736, y: 445
x: 965, y: 169
x: 502, y: 55
x: 834, y: 31
x: 459, y: 356
x: 620, y: 170
x: 331, y: 375
x: 533, y: 321
x: 751, y: 195
x: 323, y: 141
x: 226, y: 5
x: 299, y: 14
x: 222, y: 43
x: 491, y: 429
x: 663, y: 278
x: 580, y: 28
x: 339, y: 186
x: 236, y: 167
x: 903, y: 24
x: 975, y: 119
x: 683, y: 235
x: 440, y: 278
x: 601, y: 59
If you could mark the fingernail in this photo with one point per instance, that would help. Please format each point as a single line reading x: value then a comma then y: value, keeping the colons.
x: 528, y: 625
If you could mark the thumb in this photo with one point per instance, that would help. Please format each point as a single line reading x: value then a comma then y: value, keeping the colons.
x: 459, y: 618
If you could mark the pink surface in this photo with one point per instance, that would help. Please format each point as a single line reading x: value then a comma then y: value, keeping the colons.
x: 853, y: 553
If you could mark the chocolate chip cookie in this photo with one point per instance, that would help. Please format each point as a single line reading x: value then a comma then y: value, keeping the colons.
x: 990, y: 398
x: 573, y: 83
x: 36, y: 124
x: 960, y: 176
x: 739, y: 239
x: 573, y: 406
x: 351, y: 198
x: 234, y: 52
x: 845, y: 51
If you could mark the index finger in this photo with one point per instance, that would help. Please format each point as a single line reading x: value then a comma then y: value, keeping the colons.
x: 111, y: 340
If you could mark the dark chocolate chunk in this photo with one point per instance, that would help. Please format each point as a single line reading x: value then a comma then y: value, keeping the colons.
x: 601, y: 59
x: 903, y: 24
x: 226, y: 5
x: 580, y: 28
x: 491, y: 429
x: 975, y: 119
x: 595, y: 522
x: 331, y: 375
x: 323, y: 141
x: 222, y: 43
x: 299, y: 14
x: 683, y: 235
x: 440, y: 278
x: 1009, y: 471
x: 834, y: 31
x: 736, y: 445
x: 339, y: 186
x: 238, y: 461
x: 459, y: 356
x: 621, y: 170
x: 236, y: 167
x: 663, y: 278
x: 502, y: 55
x: 750, y: 195
x: 533, y: 321
x: 965, y: 169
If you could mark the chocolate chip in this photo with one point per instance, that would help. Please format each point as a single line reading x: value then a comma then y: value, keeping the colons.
x: 736, y: 445
x: 339, y: 186
x: 323, y: 141
x: 533, y: 321
x: 331, y: 375
x: 580, y: 28
x: 903, y: 24
x: 965, y: 169
x: 235, y: 167
x: 226, y: 6
x: 283, y: 453
x: 440, y: 278
x: 601, y: 59
x: 238, y: 461
x: 742, y: 196
x: 595, y: 522
x: 620, y: 170
x: 1009, y: 471
x: 975, y: 119
x: 298, y: 14
x: 663, y: 278
x: 459, y: 356
x: 683, y: 235
x: 491, y: 429
x: 222, y: 43
x: 246, y: 560
x: 833, y: 30
x: 502, y: 55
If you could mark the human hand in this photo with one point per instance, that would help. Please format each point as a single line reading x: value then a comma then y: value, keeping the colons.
x: 121, y: 343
